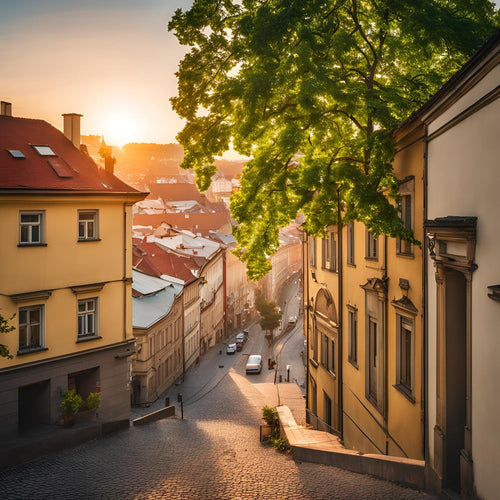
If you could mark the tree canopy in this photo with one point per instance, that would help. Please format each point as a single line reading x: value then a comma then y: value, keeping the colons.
x: 311, y: 91
x: 269, y: 313
x: 5, y: 328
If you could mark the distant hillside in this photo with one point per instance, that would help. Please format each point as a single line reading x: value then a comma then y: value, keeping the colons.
x: 147, y: 151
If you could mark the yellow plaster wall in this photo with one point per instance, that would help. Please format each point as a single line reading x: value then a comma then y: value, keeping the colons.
x: 62, y: 263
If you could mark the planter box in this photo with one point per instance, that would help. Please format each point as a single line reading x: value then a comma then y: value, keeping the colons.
x: 265, y: 432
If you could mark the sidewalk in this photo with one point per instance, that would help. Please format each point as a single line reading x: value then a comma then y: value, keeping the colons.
x: 310, y: 445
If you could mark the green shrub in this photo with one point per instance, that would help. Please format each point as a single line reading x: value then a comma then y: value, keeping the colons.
x: 93, y: 401
x: 71, y: 402
x: 279, y: 443
x: 270, y: 416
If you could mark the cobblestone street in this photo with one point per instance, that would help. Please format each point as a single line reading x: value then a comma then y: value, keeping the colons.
x: 214, y: 453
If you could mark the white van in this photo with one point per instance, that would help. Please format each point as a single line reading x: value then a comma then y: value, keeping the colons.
x: 254, y: 363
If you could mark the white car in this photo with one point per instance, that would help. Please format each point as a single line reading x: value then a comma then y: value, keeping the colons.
x: 292, y: 320
x: 254, y: 364
x: 231, y: 348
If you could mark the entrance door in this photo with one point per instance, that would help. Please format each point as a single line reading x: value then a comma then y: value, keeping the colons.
x: 456, y: 374
x: 33, y: 405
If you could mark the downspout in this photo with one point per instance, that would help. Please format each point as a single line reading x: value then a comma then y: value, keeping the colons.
x: 425, y: 404
x: 340, y: 320
x: 305, y: 285
x: 386, y: 342
x: 125, y: 280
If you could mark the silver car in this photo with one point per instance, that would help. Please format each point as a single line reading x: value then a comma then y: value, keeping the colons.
x: 254, y: 364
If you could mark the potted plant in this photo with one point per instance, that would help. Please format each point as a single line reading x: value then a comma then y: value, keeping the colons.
x: 71, y: 403
x: 93, y: 401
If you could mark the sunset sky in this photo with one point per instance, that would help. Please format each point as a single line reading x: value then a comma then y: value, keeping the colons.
x: 112, y: 61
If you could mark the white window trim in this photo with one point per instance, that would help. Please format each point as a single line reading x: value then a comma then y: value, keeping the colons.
x: 95, y: 233
x: 84, y: 314
x: 30, y: 348
x: 30, y: 225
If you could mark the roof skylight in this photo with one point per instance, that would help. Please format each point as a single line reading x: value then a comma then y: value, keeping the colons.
x: 44, y: 150
x: 16, y: 154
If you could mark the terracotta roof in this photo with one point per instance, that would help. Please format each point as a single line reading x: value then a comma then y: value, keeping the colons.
x: 69, y: 170
x: 155, y: 261
x: 176, y: 192
x: 194, y: 222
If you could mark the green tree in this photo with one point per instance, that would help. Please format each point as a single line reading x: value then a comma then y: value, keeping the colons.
x: 311, y: 91
x: 5, y: 328
x: 269, y: 314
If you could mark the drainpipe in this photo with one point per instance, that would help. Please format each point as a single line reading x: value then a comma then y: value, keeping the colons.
x: 124, y: 271
x: 305, y: 293
x: 386, y: 342
x: 425, y: 404
x: 340, y: 320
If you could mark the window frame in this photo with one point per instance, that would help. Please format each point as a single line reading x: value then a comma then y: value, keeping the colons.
x: 407, y: 215
x: 29, y: 347
x: 350, y: 244
x: 40, y: 224
x: 312, y: 251
x: 94, y: 313
x: 85, y: 223
x: 405, y: 356
x: 352, y: 336
x: 329, y: 252
x: 373, y: 350
x: 371, y: 246
x: 328, y: 353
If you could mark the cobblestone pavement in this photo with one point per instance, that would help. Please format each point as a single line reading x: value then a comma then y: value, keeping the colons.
x: 214, y: 453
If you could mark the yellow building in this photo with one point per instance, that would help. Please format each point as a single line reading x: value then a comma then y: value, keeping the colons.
x: 365, y: 324
x: 65, y: 276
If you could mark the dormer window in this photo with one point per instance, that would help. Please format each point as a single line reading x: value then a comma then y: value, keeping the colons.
x: 44, y: 150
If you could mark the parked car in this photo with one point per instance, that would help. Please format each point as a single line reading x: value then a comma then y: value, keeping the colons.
x: 231, y: 348
x: 254, y: 364
x: 241, y: 338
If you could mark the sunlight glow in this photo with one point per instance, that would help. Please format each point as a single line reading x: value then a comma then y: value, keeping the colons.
x: 121, y: 129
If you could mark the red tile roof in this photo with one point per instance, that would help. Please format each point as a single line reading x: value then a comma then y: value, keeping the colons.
x: 194, y: 222
x: 179, y: 191
x: 155, y: 261
x: 70, y: 170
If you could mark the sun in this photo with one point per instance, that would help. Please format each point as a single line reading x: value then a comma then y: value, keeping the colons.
x: 120, y: 129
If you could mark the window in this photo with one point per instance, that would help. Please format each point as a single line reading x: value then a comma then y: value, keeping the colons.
x: 371, y: 246
x: 87, y: 318
x: 329, y: 252
x: 352, y: 330
x: 31, y: 228
x: 372, y: 359
x: 31, y: 328
x: 350, y: 244
x: 327, y: 353
x: 312, y: 251
x: 87, y: 224
x: 327, y: 405
x: 44, y: 150
x: 404, y: 352
x: 15, y: 153
x: 315, y: 344
x: 405, y: 206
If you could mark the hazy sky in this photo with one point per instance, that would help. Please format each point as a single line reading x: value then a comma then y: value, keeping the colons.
x: 112, y: 61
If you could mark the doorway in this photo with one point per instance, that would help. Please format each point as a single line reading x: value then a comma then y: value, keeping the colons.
x: 456, y: 374
x: 33, y: 405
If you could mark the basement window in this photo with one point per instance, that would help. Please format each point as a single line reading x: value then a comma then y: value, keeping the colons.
x: 44, y: 150
x: 15, y: 153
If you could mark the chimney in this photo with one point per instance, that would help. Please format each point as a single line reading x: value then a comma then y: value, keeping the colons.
x: 72, y: 128
x: 5, y: 108
x: 109, y: 163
